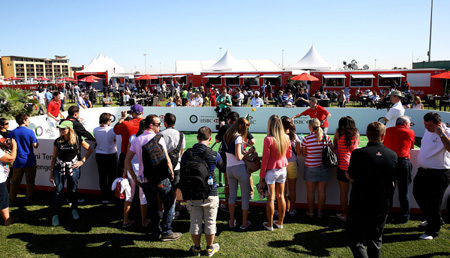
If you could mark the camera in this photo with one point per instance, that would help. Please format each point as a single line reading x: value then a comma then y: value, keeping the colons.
x: 129, y: 112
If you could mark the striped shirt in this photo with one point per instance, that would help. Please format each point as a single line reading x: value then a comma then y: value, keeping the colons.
x: 314, y: 150
x: 344, y: 152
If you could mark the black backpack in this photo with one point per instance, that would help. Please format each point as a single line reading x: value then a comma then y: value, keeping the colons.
x: 154, y: 160
x: 194, y: 176
x: 175, y: 154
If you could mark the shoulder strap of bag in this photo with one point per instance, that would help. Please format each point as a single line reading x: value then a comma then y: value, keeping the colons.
x: 180, y: 141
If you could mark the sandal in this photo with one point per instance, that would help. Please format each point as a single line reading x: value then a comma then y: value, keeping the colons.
x: 229, y: 224
x: 266, y: 225
x: 280, y: 226
x: 10, y: 221
x: 320, y: 215
x: 341, y: 217
x: 126, y: 225
x: 309, y: 214
x: 248, y: 225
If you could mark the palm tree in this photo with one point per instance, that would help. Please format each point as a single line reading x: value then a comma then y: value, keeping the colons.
x: 14, y: 101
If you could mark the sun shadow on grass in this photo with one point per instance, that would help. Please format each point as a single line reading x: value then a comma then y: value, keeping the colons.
x: 316, y: 242
x: 95, y: 245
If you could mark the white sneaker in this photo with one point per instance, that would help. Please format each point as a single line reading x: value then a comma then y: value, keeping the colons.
x: 426, y: 237
x: 424, y: 223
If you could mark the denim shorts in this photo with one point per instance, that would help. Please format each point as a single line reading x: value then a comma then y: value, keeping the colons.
x: 317, y: 174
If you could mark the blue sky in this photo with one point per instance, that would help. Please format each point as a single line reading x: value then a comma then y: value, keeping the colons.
x: 392, y: 32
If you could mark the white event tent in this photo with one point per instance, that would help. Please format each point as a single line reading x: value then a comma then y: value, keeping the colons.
x: 103, y: 64
x: 311, y: 61
x: 226, y: 64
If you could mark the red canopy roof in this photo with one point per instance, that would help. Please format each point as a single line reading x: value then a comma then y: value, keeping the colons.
x: 147, y: 77
x: 42, y: 79
x: 67, y: 79
x: 90, y: 78
x: 304, y: 77
x: 444, y: 75
x: 13, y: 79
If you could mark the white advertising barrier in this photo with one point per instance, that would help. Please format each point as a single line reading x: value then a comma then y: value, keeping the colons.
x: 191, y: 118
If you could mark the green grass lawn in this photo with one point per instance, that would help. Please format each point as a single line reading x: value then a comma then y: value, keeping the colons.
x: 99, y: 234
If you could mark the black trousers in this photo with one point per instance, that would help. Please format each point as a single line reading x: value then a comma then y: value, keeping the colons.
x: 365, y: 231
x: 107, y: 169
x: 429, y: 188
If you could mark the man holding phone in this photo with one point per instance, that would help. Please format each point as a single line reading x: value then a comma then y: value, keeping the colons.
x: 126, y: 129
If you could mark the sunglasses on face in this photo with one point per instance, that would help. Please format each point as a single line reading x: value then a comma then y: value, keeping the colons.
x: 63, y: 129
x: 156, y: 124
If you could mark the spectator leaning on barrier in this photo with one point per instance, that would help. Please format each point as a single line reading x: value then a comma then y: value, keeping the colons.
x: 54, y: 113
x: 204, y: 210
x: 433, y: 176
x: 106, y: 156
x: 224, y: 103
x: 372, y: 172
x: 396, y: 110
x: 256, y: 100
x: 316, y: 111
x: 72, y: 115
x: 126, y: 129
x: 401, y: 140
x: 25, y: 162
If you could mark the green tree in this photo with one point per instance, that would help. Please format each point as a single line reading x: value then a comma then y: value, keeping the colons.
x: 15, y: 101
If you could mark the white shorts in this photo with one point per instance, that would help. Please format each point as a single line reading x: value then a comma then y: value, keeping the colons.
x: 277, y: 175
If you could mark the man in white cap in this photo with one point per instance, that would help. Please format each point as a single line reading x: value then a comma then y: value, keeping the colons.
x: 396, y: 110
x: 256, y: 100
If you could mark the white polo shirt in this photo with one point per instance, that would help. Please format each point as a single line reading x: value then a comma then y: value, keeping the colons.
x: 396, y: 111
x: 432, y: 152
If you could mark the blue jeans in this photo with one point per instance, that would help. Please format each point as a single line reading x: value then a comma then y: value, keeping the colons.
x: 164, y: 190
x: 403, y: 177
x: 72, y: 187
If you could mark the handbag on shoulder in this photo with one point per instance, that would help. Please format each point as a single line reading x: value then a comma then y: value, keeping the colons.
x: 252, y: 162
x: 329, y: 158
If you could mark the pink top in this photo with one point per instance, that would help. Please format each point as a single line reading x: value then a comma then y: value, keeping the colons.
x: 270, y: 158
x: 141, y: 140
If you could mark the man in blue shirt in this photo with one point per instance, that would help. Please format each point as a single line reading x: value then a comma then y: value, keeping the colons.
x: 25, y: 161
x: 48, y: 95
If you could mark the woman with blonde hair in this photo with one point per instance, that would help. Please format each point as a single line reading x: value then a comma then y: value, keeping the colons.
x: 292, y: 168
x: 417, y: 104
x: 277, y: 149
x: 65, y: 165
x: 233, y: 145
x: 316, y: 175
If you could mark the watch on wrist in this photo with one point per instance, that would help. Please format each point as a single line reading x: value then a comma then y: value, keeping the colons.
x: 442, y: 135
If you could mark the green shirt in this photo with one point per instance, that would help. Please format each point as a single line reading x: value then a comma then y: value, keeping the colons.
x: 184, y: 94
x: 221, y: 99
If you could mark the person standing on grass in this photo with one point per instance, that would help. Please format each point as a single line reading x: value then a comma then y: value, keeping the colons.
x: 433, y: 176
x: 396, y: 110
x: 346, y: 140
x: 233, y: 144
x: 372, y: 173
x: 292, y: 168
x: 277, y: 149
x: 176, y: 143
x: 159, y: 185
x: 25, y: 162
x: 232, y: 118
x: 5, y: 160
x: 316, y: 175
x: 316, y: 111
x: 65, y: 165
x: 129, y: 198
x: 106, y: 156
x: 126, y: 129
x: 401, y: 140
x: 204, y: 211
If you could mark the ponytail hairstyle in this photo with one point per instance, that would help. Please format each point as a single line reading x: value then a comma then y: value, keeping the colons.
x: 238, y: 128
x: 276, y: 130
x: 288, y: 125
x: 141, y: 127
x: 315, y: 126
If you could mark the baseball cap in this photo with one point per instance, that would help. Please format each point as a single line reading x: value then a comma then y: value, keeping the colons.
x: 138, y: 109
x: 66, y: 124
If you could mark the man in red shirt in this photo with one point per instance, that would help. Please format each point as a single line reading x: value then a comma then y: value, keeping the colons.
x: 401, y: 140
x: 316, y: 111
x: 53, y: 113
x: 126, y: 129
